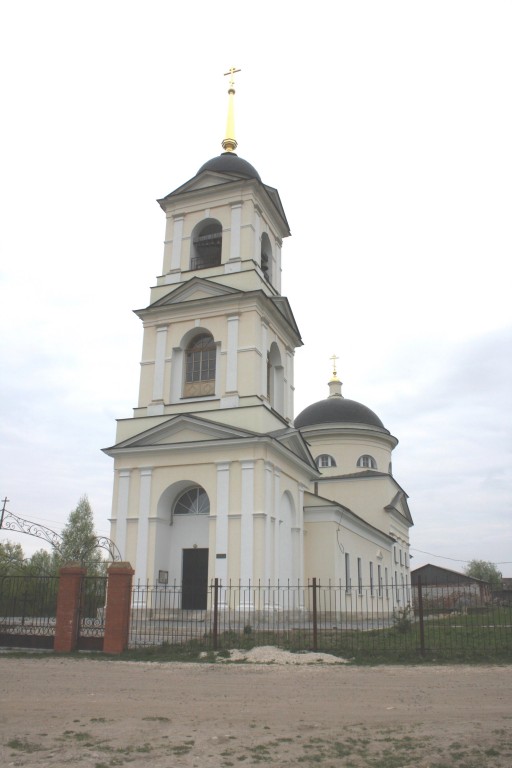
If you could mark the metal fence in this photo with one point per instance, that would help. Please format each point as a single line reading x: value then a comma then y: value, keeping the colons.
x: 91, y: 624
x: 28, y: 606
x: 437, y: 621
x: 28, y: 611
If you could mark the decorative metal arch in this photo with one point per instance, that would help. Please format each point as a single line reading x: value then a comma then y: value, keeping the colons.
x: 11, y: 522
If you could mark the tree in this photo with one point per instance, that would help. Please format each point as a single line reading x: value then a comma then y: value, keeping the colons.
x: 79, y: 539
x: 42, y: 563
x: 481, y: 569
x: 11, y: 559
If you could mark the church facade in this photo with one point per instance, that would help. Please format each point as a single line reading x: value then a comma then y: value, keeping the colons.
x: 213, y: 478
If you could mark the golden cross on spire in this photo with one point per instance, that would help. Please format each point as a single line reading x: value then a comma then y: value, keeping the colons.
x: 334, y: 358
x: 229, y: 144
x: 231, y: 72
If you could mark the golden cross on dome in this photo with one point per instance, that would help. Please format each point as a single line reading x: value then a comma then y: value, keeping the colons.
x: 231, y: 72
x: 334, y: 358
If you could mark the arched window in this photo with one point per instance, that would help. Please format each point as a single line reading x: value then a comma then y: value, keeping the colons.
x: 206, y: 244
x: 324, y: 460
x: 366, y: 461
x: 195, y: 501
x: 200, y: 364
x: 266, y: 257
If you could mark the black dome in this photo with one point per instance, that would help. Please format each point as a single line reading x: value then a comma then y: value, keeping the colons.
x: 337, y: 409
x: 228, y: 162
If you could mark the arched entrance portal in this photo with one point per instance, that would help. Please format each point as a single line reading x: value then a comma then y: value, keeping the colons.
x: 183, y: 552
x: 194, y: 577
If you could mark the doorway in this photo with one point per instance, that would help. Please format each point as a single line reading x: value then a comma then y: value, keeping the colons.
x: 195, y: 579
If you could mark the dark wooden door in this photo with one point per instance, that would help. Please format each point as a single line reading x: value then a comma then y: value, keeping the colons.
x: 195, y: 579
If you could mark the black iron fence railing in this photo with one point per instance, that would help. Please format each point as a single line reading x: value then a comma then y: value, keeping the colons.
x: 441, y: 621
x: 93, y: 597
x: 460, y: 620
x: 28, y: 606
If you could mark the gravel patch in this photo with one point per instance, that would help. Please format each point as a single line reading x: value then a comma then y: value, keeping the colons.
x: 269, y: 654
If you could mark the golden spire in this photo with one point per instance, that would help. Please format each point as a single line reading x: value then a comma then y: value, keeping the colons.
x: 229, y: 144
x: 334, y: 383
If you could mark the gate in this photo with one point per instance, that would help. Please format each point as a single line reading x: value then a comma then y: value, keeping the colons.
x: 28, y: 609
x: 91, y: 621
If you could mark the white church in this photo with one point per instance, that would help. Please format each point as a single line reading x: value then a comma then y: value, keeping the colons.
x: 213, y: 475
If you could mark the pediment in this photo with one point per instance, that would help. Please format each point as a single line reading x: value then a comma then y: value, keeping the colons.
x: 283, y: 306
x: 201, y: 181
x: 294, y: 442
x: 195, y: 289
x: 183, y: 429
x: 399, y: 505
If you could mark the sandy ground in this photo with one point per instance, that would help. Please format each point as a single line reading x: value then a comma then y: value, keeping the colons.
x: 87, y: 712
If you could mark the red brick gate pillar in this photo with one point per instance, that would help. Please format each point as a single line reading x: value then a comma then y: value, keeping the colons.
x: 117, y: 613
x: 68, y: 608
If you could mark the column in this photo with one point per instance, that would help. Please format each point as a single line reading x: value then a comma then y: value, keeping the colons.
x: 246, y: 546
x: 277, y: 508
x: 264, y: 352
x: 300, y: 526
x: 68, y: 608
x: 141, y: 560
x: 289, y: 386
x: 257, y: 236
x: 269, y: 507
x: 231, y: 399
x: 117, y: 614
x: 123, y: 495
x: 236, y: 222
x: 221, y: 524
x: 277, y: 265
x: 159, y: 369
x: 176, y: 243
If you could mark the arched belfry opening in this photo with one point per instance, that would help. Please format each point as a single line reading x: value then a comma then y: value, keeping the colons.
x: 206, y: 249
x: 266, y: 257
x: 275, y: 378
x: 200, y: 366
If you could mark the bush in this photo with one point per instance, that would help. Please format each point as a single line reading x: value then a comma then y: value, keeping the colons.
x: 402, y: 619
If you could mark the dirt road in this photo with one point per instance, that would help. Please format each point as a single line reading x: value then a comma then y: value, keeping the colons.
x: 86, y: 712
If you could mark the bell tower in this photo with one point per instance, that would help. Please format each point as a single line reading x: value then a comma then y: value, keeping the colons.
x: 209, y: 462
x: 217, y: 332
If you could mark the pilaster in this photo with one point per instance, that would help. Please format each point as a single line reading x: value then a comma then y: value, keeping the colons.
x: 141, y: 563
x: 221, y: 525
x: 246, y: 532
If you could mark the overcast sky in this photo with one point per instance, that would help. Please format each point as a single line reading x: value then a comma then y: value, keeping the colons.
x: 385, y: 126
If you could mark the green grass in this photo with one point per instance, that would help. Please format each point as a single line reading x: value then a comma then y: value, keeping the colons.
x: 22, y: 745
x: 484, y: 636
x: 481, y: 637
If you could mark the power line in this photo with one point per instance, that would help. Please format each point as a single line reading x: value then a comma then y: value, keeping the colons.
x: 455, y: 559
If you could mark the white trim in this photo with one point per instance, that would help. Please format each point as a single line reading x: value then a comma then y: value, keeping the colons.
x: 264, y: 352
x: 257, y: 237
x: 246, y: 528
x: 289, y: 387
x: 277, y: 527
x: 236, y: 222
x: 176, y: 243
x: 123, y: 496
x: 276, y: 277
x: 141, y: 559
x: 232, y: 356
x: 299, y: 518
x: 267, y: 566
x: 159, y: 370
x: 221, y: 522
